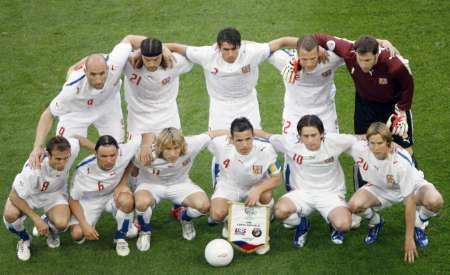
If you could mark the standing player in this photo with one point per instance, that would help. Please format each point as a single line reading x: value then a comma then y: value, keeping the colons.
x: 168, y: 178
x: 96, y: 189
x: 317, y: 179
x: 392, y: 178
x: 151, y: 90
x: 45, y: 188
x: 231, y: 69
x: 91, y: 95
x: 384, y: 86
x: 249, y: 171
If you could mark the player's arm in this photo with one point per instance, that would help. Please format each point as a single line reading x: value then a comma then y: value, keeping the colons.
x: 44, y: 125
x: 264, y: 185
x: 23, y: 206
x: 89, y: 231
x: 410, y: 217
x: 176, y: 47
x: 145, y: 151
x: 217, y: 133
x: 85, y: 143
x: 134, y: 40
x: 262, y: 133
x: 388, y: 46
x: 283, y: 42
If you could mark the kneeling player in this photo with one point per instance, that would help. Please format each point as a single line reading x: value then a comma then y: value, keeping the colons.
x: 168, y: 178
x: 249, y: 171
x: 318, y: 179
x: 96, y: 188
x: 46, y: 189
x: 392, y: 178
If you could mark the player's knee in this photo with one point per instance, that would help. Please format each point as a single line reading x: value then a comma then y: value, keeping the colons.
x: 342, y: 224
x: 61, y: 223
x: 10, y: 217
x: 203, y: 206
x: 282, y: 211
x: 76, y: 233
x: 265, y: 197
x: 434, y: 203
x: 354, y: 206
x: 143, y: 203
x: 218, y: 214
x: 125, y: 202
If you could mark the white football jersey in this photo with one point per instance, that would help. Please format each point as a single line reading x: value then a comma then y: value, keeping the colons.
x: 396, y: 172
x: 226, y: 81
x: 318, y: 170
x: 312, y: 92
x: 78, y: 96
x: 90, y: 181
x: 244, y: 171
x: 167, y: 173
x: 47, y: 179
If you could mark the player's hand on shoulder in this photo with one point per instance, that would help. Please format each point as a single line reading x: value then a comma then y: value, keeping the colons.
x: 36, y: 157
x: 135, y: 59
x: 323, y: 55
x: 168, y: 57
x: 393, y: 51
x: 145, y: 155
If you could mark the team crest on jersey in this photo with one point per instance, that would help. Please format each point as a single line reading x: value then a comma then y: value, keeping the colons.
x: 382, y: 81
x: 329, y: 160
x: 246, y: 69
x: 165, y: 81
x: 186, y: 162
x: 215, y: 71
x: 257, y: 169
x: 390, y: 180
x: 326, y: 74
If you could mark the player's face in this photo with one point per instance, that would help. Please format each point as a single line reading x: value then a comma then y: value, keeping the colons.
x: 243, y: 141
x: 58, y: 159
x: 308, y: 59
x: 172, y: 152
x: 152, y: 63
x: 366, y: 61
x: 96, y: 74
x: 379, y: 147
x: 229, y: 52
x: 311, y: 137
x: 106, y: 157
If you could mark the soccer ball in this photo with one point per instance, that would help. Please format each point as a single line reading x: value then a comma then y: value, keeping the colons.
x: 219, y: 252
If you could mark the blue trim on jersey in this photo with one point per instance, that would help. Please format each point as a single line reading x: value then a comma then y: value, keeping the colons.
x: 288, y: 52
x: 216, y: 174
x: 85, y: 162
x: 287, y: 174
x: 76, y: 80
x: 265, y: 140
x: 405, y: 157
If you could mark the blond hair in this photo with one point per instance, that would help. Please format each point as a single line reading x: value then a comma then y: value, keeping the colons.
x: 168, y: 137
x: 379, y: 128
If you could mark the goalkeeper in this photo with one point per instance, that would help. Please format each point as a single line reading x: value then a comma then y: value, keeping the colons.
x: 384, y: 85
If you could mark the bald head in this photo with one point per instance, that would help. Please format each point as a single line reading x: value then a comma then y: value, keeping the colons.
x: 96, y: 70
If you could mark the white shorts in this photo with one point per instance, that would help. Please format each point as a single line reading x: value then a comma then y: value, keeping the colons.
x: 47, y: 201
x: 177, y: 193
x: 229, y: 192
x: 290, y: 121
x: 153, y: 121
x: 94, y: 207
x: 389, y: 197
x: 107, y: 118
x: 222, y: 113
x: 323, y: 202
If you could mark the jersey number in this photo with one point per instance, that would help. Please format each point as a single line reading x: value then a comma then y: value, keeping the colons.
x: 226, y: 163
x: 156, y: 172
x: 298, y: 158
x: 135, y: 78
x: 100, y: 186
x: 45, y: 185
x: 363, y: 164
x: 286, y: 126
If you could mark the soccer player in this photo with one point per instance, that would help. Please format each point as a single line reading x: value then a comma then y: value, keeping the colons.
x: 317, y: 179
x: 384, y: 86
x: 45, y: 188
x: 151, y: 90
x: 91, y: 95
x: 249, y: 171
x: 96, y: 189
x: 392, y: 178
x: 167, y: 177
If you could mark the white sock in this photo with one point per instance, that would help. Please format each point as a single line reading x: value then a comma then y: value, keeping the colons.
x: 123, y: 221
x: 293, y: 219
x: 371, y: 215
x: 17, y: 227
x: 193, y: 213
x: 422, y: 216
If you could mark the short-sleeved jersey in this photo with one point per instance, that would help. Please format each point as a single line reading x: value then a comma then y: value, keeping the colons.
x: 90, y: 181
x: 312, y: 92
x: 396, y: 172
x: 244, y: 171
x: 226, y: 81
x: 47, y: 179
x: 167, y: 173
x: 78, y: 96
x: 318, y: 170
x: 147, y: 91
x: 389, y: 80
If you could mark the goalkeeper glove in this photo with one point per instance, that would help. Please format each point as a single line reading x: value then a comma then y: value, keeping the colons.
x: 397, y: 123
x: 289, y: 71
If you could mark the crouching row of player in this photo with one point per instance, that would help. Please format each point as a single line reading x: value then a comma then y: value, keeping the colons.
x: 249, y: 171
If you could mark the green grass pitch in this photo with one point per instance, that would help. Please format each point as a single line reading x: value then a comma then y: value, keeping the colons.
x: 41, y: 39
